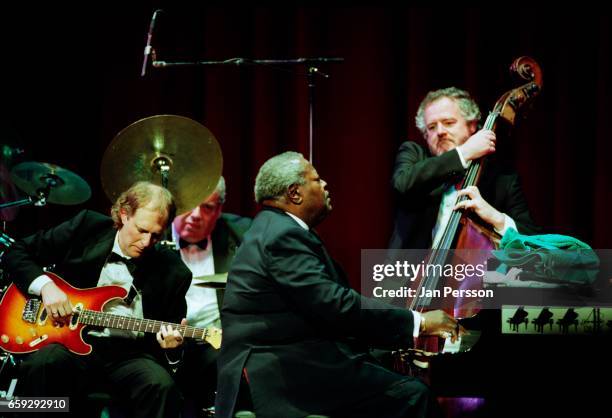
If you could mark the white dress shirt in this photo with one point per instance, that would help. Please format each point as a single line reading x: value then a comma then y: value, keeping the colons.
x: 202, y: 305
x: 117, y: 274
x: 449, y: 199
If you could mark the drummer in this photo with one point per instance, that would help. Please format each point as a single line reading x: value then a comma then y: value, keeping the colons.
x: 207, y: 240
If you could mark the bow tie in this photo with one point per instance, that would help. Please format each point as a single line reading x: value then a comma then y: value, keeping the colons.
x: 130, y: 263
x: 202, y: 244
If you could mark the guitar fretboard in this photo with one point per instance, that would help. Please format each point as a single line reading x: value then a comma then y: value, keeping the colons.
x: 108, y: 320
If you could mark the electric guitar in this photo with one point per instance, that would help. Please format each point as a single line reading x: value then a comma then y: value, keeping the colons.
x: 25, y: 326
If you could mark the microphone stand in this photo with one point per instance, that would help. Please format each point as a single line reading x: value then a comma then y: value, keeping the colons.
x: 311, y: 72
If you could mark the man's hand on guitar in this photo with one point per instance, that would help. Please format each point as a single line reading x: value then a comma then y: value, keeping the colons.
x: 441, y: 324
x: 56, y: 303
x: 169, y: 338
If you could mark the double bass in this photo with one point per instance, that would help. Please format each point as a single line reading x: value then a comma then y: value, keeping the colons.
x: 466, y: 239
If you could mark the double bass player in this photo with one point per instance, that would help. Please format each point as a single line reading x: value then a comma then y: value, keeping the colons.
x: 425, y: 178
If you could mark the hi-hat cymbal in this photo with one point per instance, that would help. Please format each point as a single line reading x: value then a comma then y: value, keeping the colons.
x: 184, y: 148
x: 65, y: 187
x: 215, y: 281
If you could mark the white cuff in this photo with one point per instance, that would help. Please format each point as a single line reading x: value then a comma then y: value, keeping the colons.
x: 508, y: 223
x: 38, y: 283
x: 417, y: 324
x: 463, y: 162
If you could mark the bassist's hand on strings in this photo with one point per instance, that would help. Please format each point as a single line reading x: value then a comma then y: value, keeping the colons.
x: 440, y: 324
x: 56, y: 303
x: 480, y: 207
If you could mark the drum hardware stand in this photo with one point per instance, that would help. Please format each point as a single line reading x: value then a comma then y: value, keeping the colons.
x: 163, y: 166
x: 9, y: 361
x: 40, y: 199
x: 37, y: 180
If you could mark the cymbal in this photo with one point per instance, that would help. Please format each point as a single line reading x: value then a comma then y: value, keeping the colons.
x: 215, y: 281
x: 186, y: 149
x: 65, y: 187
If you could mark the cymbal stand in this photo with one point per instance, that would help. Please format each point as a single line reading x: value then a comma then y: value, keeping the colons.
x: 42, y: 194
x: 7, y: 362
x: 163, y: 165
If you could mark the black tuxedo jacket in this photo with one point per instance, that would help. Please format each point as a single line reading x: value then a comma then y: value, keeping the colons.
x: 226, y: 238
x: 292, y: 322
x: 77, y: 250
x: 420, y: 180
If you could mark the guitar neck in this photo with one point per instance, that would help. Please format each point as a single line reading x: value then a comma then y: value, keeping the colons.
x: 108, y: 320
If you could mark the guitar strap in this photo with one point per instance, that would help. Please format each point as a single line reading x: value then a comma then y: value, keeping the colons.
x: 135, y: 288
x: 132, y: 294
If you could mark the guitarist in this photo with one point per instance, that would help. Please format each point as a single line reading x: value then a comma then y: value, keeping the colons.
x: 93, y: 250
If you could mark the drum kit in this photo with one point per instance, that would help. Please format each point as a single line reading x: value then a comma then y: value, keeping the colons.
x: 172, y: 151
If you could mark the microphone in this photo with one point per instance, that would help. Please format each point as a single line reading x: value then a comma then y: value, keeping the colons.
x: 148, y: 49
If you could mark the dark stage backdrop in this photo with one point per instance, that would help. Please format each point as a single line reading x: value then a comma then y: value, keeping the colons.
x: 71, y: 82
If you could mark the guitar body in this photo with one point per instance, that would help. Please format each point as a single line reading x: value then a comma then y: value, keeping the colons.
x: 25, y: 326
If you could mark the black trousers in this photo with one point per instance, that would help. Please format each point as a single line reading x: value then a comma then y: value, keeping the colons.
x: 408, y: 398
x: 131, y: 374
x: 197, y: 376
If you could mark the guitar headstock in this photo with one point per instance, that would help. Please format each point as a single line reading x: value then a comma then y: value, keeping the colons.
x: 213, y: 337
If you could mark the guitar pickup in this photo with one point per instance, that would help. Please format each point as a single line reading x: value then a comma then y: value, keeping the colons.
x: 37, y: 341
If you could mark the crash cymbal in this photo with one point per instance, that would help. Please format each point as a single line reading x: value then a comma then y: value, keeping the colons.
x: 65, y: 187
x: 185, y: 148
